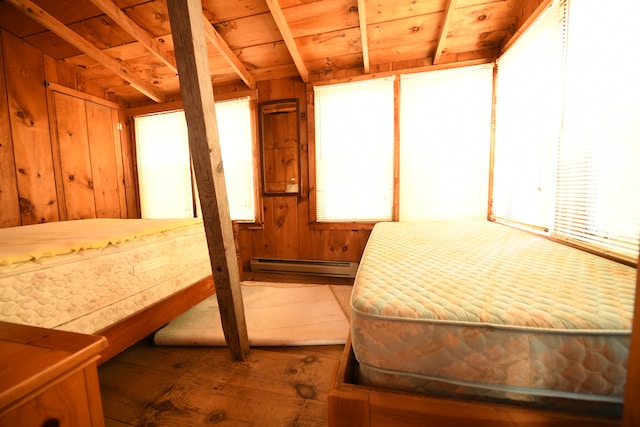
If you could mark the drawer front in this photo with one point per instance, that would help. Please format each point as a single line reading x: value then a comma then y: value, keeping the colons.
x: 63, y: 404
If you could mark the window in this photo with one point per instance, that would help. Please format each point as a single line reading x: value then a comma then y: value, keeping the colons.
x: 164, y: 171
x: 598, y: 197
x: 354, y: 146
x: 571, y: 162
x: 528, y: 115
x: 164, y: 164
x: 445, y: 131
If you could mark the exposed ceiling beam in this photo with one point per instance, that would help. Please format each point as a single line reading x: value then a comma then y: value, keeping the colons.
x: 42, y: 17
x: 225, y: 51
x: 141, y: 35
x: 287, y: 36
x: 509, y: 41
x: 364, y: 40
x: 444, y: 30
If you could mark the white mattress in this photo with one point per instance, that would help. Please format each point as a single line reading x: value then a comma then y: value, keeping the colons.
x: 73, y: 281
x: 480, y: 309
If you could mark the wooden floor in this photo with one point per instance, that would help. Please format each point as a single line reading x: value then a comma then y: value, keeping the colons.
x: 148, y: 385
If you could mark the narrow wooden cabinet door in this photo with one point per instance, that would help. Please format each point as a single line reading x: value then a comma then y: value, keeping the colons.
x: 75, y: 160
x: 101, y: 132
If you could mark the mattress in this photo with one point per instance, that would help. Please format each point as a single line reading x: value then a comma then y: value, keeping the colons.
x: 481, y: 310
x: 83, y: 276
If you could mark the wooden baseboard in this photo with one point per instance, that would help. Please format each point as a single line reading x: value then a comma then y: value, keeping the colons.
x: 354, y: 405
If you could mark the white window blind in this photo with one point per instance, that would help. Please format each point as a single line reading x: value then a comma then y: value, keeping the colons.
x: 166, y: 184
x: 164, y: 169
x: 354, y: 151
x: 528, y: 115
x: 445, y: 131
x: 598, y: 196
x: 236, y: 144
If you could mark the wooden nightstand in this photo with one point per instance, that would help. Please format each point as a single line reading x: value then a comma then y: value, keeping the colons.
x: 49, y: 378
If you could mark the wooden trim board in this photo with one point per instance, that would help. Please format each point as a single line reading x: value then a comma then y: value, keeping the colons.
x: 354, y: 405
x: 127, y: 332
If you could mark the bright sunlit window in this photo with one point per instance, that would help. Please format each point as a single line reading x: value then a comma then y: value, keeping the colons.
x: 164, y: 164
x: 567, y: 139
x: 445, y: 133
x: 354, y: 151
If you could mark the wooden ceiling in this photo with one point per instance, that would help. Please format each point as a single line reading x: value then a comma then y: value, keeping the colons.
x: 125, y: 46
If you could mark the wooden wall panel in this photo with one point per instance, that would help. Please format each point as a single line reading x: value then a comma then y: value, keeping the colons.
x: 104, y: 168
x: 63, y: 152
x: 75, y: 162
x: 24, y: 73
x: 10, y: 212
x: 287, y: 231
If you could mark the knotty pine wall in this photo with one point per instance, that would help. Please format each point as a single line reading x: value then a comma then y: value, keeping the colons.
x: 48, y: 172
x: 63, y: 155
x: 287, y: 231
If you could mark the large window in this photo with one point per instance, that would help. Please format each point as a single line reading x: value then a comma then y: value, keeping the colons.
x: 164, y: 164
x: 528, y: 115
x: 598, y: 198
x: 445, y: 132
x: 354, y: 151
x: 567, y: 139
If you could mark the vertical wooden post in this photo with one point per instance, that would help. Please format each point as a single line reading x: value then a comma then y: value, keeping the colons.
x: 631, y: 409
x: 197, y: 94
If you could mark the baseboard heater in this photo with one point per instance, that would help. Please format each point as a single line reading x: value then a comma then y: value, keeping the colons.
x: 299, y: 266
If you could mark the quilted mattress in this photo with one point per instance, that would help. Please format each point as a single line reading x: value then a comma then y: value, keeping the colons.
x: 85, y: 275
x: 481, y: 310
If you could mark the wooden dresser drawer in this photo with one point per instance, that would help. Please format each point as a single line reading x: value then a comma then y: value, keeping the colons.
x: 49, y: 378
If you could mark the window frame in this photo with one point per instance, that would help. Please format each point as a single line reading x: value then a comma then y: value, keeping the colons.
x: 174, y: 106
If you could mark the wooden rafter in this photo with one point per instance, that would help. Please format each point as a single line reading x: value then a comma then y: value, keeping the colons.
x: 142, y: 36
x: 364, y: 40
x: 287, y: 36
x: 444, y: 30
x: 190, y: 44
x: 526, y: 24
x: 42, y: 17
x: 225, y: 51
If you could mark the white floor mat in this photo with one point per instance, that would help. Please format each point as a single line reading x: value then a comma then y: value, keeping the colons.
x: 280, y: 315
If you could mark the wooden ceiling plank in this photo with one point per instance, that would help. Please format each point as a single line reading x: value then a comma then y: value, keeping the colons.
x: 444, y: 30
x: 283, y: 26
x: 187, y: 27
x: 225, y: 51
x: 364, y: 38
x: 140, y: 34
x: 508, y: 42
x: 41, y: 16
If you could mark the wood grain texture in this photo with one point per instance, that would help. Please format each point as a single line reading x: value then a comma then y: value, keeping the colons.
x: 73, y: 139
x: 385, y: 408
x: 104, y: 169
x: 204, y: 144
x: 10, y: 212
x: 24, y: 73
x: 631, y: 414
x: 175, y: 385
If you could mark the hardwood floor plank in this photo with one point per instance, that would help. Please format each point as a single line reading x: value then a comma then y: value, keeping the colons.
x: 148, y: 385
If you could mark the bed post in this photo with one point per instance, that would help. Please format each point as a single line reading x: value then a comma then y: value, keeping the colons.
x: 187, y: 27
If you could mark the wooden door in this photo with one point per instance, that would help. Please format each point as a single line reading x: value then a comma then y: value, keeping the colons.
x: 87, y: 161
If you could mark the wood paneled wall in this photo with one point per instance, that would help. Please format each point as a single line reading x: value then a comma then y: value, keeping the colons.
x: 287, y: 231
x: 63, y: 154
x: 61, y: 158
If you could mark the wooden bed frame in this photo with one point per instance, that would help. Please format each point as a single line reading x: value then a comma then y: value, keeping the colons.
x: 354, y: 405
x: 137, y: 326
